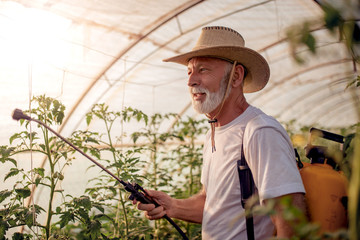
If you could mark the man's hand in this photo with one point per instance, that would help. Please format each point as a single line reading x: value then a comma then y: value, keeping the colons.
x: 152, y: 212
x: 190, y: 209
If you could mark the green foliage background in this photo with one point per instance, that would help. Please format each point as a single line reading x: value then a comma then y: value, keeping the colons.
x: 167, y: 161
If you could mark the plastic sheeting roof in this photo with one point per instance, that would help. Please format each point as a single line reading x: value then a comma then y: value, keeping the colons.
x: 90, y: 51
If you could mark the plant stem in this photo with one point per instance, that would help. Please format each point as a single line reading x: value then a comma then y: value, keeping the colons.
x: 52, y: 184
x: 191, y: 180
x: 153, y: 160
x: 117, y: 221
x: 125, y: 215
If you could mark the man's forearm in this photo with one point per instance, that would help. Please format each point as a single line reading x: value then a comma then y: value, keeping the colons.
x: 190, y: 209
x: 284, y: 229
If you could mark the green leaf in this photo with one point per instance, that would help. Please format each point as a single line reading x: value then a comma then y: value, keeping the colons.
x: 29, y: 219
x: 12, y: 223
x: 103, y: 216
x: 94, y: 229
x: 4, y: 194
x: 83, y: 201
x: 60, y: 117
x: 3, y: 227
x: 38, y: 209
x: 11, y: 160
x: 13, y: 172
x: 40, y: 171
x: 92, y: 140
x: 307, y: 38
x: 58, y: 210
x: 65, y: 218
x: 18, y: 236
x: 332, y: 17
x: 99, y: 207
x: 13, y: 137
x: 83, y: 214
x: 23, y: 192
x: 37, y: 181
x: 42, y: 146
x: 113, y: 190
x: 88, y: 119
x: 5, y: 151
x: 105, y: 237
x: 310, y: 42
x: 49, y: 115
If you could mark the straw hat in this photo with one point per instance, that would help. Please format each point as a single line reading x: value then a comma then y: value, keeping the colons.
x: 225, y: 43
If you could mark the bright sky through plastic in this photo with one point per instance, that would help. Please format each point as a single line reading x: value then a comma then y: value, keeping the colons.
x: 35, y: 35
x: 34, y: 39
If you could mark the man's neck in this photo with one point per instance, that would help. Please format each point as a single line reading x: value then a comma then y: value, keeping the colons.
x: 229, y: 111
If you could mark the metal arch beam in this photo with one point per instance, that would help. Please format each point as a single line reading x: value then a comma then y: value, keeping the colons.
x: 195, y: 27
x: 292, y: 104
x: 338, y: 106
x: 192, y: 29
x: 304, y: 113
x: 303, y: 71
x: 161, y: 21
x: 343, y: 111
x: 329, y: 101
x: 164, y: 19
x: 326, y: 100
x: 165, y: 44
x: 352, y: 98
x: 284, y: 39
x: 315, y: 90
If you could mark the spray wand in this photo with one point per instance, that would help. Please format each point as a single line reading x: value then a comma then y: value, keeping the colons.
x: 137, y: 192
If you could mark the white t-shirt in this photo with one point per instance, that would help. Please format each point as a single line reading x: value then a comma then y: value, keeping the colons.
x: 270, y: 156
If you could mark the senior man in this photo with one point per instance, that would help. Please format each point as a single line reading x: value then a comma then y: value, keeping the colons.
x: 220, y: 70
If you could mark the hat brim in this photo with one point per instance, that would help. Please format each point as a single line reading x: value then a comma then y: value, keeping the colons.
x: 258, y: 71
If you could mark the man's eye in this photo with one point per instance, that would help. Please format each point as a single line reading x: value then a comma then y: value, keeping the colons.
x: 202, y: 69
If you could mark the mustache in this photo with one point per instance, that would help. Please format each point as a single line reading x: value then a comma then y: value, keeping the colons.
x: 194, y: 90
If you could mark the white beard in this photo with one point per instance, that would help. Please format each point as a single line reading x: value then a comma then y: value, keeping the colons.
x: 212, y: 99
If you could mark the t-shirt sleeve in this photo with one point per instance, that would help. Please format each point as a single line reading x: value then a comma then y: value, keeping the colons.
x: 271, y: 158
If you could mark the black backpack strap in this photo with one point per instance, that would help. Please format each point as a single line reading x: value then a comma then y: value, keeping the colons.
x: 247, y: 188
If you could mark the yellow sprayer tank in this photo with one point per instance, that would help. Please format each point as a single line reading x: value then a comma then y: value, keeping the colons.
x: 325, y: 192
x: 326, y: 188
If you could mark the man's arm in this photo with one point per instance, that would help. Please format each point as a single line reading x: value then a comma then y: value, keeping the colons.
x: 283, y: 227
x: 190, y: 209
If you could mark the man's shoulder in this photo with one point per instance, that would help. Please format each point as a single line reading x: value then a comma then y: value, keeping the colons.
x: 261, y: 120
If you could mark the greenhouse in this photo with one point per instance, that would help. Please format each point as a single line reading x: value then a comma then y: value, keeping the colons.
x: 93, y: 71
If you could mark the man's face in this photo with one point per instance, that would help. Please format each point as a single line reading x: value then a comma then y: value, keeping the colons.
x: 207, y: 82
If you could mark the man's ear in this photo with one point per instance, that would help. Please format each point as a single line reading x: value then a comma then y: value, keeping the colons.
x: 238, y: 77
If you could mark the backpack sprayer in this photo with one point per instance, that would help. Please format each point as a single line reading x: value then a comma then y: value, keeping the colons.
x: 326, y: 188
x: 137, y: 192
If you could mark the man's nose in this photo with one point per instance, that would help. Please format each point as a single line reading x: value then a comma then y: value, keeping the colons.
x: 193, y: 80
